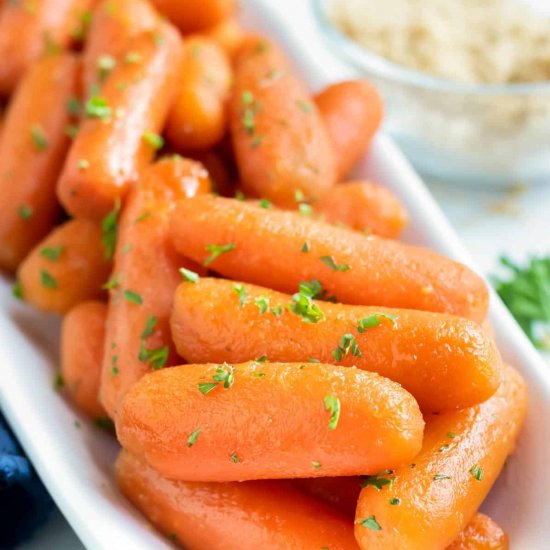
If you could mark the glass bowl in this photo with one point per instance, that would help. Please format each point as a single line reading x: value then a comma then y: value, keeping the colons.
x: 487, y: 134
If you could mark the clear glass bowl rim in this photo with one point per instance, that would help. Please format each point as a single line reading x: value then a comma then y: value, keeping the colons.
x: 381, y: 67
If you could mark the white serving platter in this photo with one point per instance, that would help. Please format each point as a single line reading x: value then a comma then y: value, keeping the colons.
x: 75, y: 460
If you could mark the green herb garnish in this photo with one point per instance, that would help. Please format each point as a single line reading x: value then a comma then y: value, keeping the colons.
x: 39, y: 137
x: 477, y: 472
x: 373, y: 320
x: 347, y: 345
x: 329, y: 261
x: 217, y: 250
x: 97, y: 107
x: 52, y: 252
x: 188, y: 275
x: 109, y: 229
x: 193, y: 436
x: 370, y: 523
x: 154, y: 140
x: 133, y: 297
x: 48, y: 280
x: 332, y: 404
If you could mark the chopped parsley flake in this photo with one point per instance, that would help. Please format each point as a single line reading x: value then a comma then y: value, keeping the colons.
x: 132, y: 58
x: 373, y: 320
x: 109, y: 228
x: 332, y: 404
x: 305, y: 248
x: 155, y: 358
x: 58, y: 381
x: 378, y: 481
x: 450, y: 435
x: 303, y: 306
x: 261, y: 359
x: 441, y: 476
x: 251, y: 108
x: 17, y: 290
x: 154, y: 140
x: 39, y: 138
x: 133, y: 297
x: 188, y: 275
x: 150, y: 325
x: 347, y: 345
x: 264, y: 203
x: 315, y: 464
x: 224, y: 375
x: 329, y: 261
x: 52, y: 252
x: 395, y: 501
x: 262, y: 303
x: 305, y: 209
x: 477, y: 472
x: 48, y: 280
x: 25, y: 212
x: 193, y: 436
x: 112, y: 283
x: 370, y: 523
x: 241, y: 293
x: 73, y: 106
x: 234, y: 458
x: 97, y: 107
x: 217, y: 250
x: 277, y: 310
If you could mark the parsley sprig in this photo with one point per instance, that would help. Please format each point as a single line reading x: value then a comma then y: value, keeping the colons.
x: 526, y: 293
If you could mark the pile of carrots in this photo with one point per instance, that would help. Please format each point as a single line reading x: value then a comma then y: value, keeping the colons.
x: 281, y: 371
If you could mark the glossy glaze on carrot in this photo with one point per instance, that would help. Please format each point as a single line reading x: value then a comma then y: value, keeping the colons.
x: 439, y: 493
x: 267, y: 249
x: 268, y: 421
x: 144, y: 278
x: 117, y: 139
x: 33, y: 144
x: 445, y: 361
x: 482, y: 533
x: 256, y: 514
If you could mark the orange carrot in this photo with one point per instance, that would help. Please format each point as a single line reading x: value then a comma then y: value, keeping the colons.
x: 29, y: 28
x: 113, y: 26
x: 425, y: 506
x: 228, y: 34
x: 280, y: 249
x: 195, y: 15
x: 144, y: 278
x: 119, y: 137
x: 280, y: 142
x: 262, y: 514
x: 446, y: 362
x: 482, y: 533
x: 198, y: 117
x: 352, y: 112
x: 363, y: 206
x: 342, y: 493
x: 66, y: 268
x: 33, y: 144
x: 267, y: 421
x: 82, y: 338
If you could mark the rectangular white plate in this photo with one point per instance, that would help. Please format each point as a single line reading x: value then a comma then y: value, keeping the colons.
x: 75, y: 460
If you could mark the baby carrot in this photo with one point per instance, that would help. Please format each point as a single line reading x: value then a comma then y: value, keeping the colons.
x: 228, y: 35
x: 82, y: 338
x: 425, y: 505
x: 342, y: 493
x: 281, y: 249
x: 195, y: 15
x: 266, y: 421
x: 118, y: 137
x: 144, y: 278
x: 482, y: 533
x: 198, y: 120
x: 66, y: 268
x: 267, y: 515
x: 445, y: 361
x: 352, y: 112
x: 33, y: 144
x: 363, y: 206
x: 279, y: 139
x: 30, y: 28
x: 113, y: 25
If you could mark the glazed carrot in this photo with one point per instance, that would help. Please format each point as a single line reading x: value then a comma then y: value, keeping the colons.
x: 445, y: 361
x: 482, y: 533
x: 113, y: 25
x: 27, y: 29
x: 118, y: 138
x: 228, y: 35
x: 66, y: 268
x: 279, y: 139
x: 82, y: 338
x: 262, y: 514
x: 267, y: 421
x: 198, y: 119
x: 144, y: 278
x: 363, y: 206
x: 280, y: 249
x: 195, y: 15
x: 352, y: 112
x: 342, y: 493
x: 33, y: 144
x: 427, y: 505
